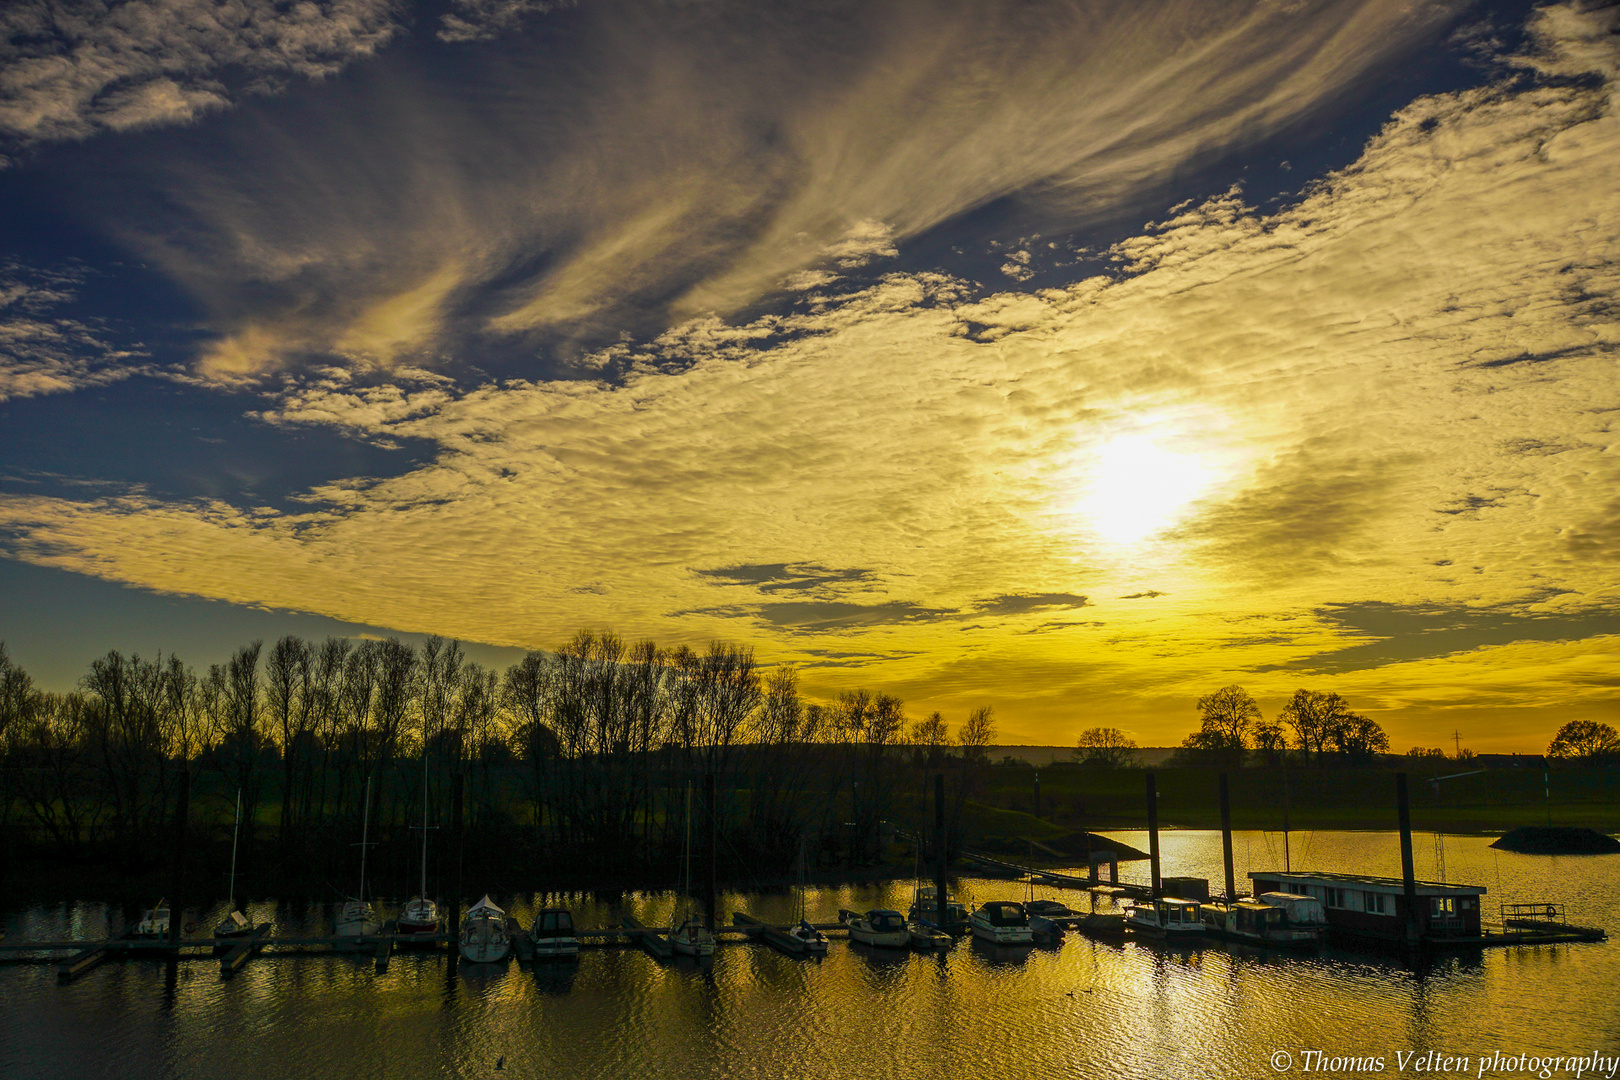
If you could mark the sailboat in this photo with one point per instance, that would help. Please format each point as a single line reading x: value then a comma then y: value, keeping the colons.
x: 421, y: 915
x: 807, y: 937
x: 357, y: 918
x: 687, y: 934
x: 234, y: 925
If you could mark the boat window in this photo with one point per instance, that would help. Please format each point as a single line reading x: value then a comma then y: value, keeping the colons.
x: 1442, y: 905
x: 1377, y: 903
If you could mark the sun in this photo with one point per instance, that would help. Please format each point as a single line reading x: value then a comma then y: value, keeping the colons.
x: 1138, y: 488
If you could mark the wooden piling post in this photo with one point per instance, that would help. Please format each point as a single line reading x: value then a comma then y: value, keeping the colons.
x: 453, y: 924
x: 940, y: 855
x: 710, y: 890
x: 1403, y: 812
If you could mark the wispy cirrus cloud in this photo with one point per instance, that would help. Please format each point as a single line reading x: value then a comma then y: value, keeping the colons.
x: 72, y: 68
x: 656, y: 163
x: 44, y: 352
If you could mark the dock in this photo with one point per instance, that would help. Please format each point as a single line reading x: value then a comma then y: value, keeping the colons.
x: 656, y: 942
x: 774, y: 936
x: 231, y: 962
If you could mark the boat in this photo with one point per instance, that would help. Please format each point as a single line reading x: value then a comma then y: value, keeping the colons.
x: 925, y: 935
x: 553, y: 935
x: 484, y: 934
x: 1257, y: 922
x: 1166, y: 917
x: 687, y: 934
x: 807, y: 937
x: 925, y: 905
x: 804, y: 937
x: 1047, y: 918
x: 879, y: 926
x: 356, y: 918
x: 420, y: 916
x: 1001, y: 922
x: 154, y: 921
x: 235, y: 925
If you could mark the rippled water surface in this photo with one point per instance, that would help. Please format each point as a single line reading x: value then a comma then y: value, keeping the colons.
x: 1084, y: 1009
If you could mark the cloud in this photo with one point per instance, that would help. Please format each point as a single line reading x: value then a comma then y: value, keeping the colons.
x: 44, y: 353
x: 71, y: 69
x: 867, y: 464
x: 642, y: 165
x: 483, y: 20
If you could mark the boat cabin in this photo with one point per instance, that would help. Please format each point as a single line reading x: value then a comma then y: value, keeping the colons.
x: 1004, y: 913
x: 1360, y: 905
x: 885, y: 922
x: 554, y: 923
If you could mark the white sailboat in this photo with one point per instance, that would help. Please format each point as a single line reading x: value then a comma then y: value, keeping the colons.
x: 687, y: 934
x: 484, y: 935
x: 357, y: 918
x: 421, y: 915
x: 806, y: 937
x: 234, y: 925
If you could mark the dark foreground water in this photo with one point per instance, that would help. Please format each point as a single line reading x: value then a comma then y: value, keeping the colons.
x: 1085, y: 1009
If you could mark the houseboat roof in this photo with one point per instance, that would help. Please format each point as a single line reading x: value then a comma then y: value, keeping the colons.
x: 1366, y: 882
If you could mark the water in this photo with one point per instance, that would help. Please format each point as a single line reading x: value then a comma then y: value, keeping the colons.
x: 1084, y: 1009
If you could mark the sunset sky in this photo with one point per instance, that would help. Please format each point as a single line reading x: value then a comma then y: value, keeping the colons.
x: 1073, y: 358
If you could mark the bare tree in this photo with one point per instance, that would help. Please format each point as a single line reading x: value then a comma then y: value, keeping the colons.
x: 977, y: 734
x: 1585, y: 740
x: 288, y: 681
x: 1107, y: 747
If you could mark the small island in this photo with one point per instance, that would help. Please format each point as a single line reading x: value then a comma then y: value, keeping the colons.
x: 1557, y: 840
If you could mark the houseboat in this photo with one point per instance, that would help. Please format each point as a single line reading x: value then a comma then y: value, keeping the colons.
x: 1267, y: 922
x: 1167, y: 917
x: 1374, y: 908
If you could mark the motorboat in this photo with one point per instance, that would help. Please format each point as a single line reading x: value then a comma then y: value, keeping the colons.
x: 553, y: 935
x: 1049, y: 909
x: 1304, y: 912
x: 154, y: 921
x: 1166, y: 917
x: 1001, y: 922
x: 1259, y: 923
x: 925, y: 935
x: 925, y: 905
x: 807, y: 937
x: 485, y: 937
x: 879, y: 926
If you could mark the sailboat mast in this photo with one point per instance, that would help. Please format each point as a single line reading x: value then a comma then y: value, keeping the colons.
x: 236, y: 829
x: 365, y: 830
x: 423, y: 893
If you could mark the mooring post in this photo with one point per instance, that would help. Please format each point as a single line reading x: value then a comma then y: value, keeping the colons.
x: 1153, y: 830
x: 1226, y: 840
x: 1408, y: 873
x: 182, y: 807
x: 1037, y: 793
x: 710, y: 890
x: 939, y: 849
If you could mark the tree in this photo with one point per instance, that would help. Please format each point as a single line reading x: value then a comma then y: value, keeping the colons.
x: 1360, y: 738
x: 976, y: 735
x: 1226, y: 718
x: 1585, y: 740
x: 1316, y: 719
x: 931, y: 736
x: 1271, y: 741
x: 1105, y: 747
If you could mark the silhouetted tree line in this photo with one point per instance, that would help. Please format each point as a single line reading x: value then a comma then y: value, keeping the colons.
x: 580, y: 757
x: 1312, y: 726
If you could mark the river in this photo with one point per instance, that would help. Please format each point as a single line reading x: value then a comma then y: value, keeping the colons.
x: 1084, y: 1009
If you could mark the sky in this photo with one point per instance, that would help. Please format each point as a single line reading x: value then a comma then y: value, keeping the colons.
x: 1076, y: 359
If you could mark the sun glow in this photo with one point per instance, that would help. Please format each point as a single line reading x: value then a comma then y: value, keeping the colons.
x: 1138, y: 488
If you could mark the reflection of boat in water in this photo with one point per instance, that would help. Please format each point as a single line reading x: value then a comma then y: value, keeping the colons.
x: 925, y: 905
x: 1001, y: 922
x: 154, y: 921
x: 1259, y: 922
x: 484, y: 935
x: 879, y: 926
x: 553, y: 935
x: 1167, y: 917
